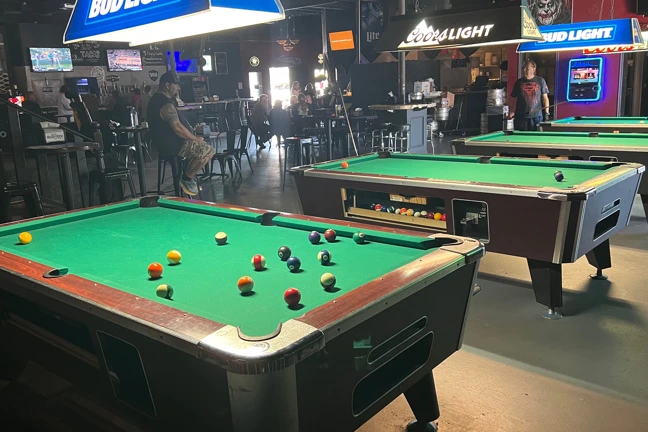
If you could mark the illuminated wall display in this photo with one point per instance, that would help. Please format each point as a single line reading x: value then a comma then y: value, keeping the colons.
x: 585, y: 77
x: 140, y: 22
x: 619, y: 48
x: 579, y: 36
x: 495, y: 26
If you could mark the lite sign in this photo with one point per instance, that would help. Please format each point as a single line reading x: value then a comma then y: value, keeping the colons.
x: 495, y: 26
x: 580, y: 36
x: 140, y: 22
x: 616, y: 49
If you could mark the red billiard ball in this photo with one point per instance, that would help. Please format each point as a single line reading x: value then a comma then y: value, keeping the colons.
x: 155, y: 270
x: 258, y: 262
x: 443, y: 217
x: 345, y: 165
x: 330, y: 235
x: 292, y: 296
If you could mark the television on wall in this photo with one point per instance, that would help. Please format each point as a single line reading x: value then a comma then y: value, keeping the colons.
x: 183, y: 66
x: 51, y: 59
x: 122, y: 60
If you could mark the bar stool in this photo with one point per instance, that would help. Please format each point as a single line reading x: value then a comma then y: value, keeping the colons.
x: 401, y: 135
x: 27, y: 190
x: 111, y: 174
x: 383, y: 132
x: 297, y: 145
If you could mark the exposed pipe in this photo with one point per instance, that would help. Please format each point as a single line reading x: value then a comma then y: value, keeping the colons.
x: 358, y: 30
x: 402, y: 69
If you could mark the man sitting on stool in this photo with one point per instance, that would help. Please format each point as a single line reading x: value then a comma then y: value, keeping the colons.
x: 173, y: 135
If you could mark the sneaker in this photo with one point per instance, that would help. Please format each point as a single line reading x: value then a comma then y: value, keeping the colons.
x: 190, y: 187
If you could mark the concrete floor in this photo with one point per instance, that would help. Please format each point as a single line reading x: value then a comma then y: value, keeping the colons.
x: 516, y: 371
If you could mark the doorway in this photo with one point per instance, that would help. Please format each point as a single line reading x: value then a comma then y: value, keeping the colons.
x: 256, y: 85
x: 280, y: 85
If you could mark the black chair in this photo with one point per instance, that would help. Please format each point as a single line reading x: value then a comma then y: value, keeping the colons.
x: 177, y: 168
x: 27, y: 190
x: 242, y: 149
x: 109, y: 176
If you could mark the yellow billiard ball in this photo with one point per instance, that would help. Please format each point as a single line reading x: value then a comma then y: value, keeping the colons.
x: 174, y: 257
x: 437, y: 216
x: 25, y: 238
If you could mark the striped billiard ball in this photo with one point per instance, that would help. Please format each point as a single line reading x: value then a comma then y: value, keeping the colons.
x: 328, y: 281
x: 324, y: 257
x: 258, y: 262
x: 174, y: 257
x: 245, y: 284
x: 164, y: 291
x: 221, y: 238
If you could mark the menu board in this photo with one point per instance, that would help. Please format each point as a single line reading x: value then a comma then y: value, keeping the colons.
x: 153, y: 55
x: 88, y: 54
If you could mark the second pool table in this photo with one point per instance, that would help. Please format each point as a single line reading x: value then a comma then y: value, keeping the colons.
x: 597, y: 124
x: 588, y: 146
x: 78, y: 299
x: 515, y: 206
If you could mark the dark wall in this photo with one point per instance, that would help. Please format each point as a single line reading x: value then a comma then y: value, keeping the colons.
x: 225, y: 86
x: 371, y: 82
x: 22, y: 36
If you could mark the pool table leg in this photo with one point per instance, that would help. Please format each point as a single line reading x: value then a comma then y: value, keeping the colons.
x: 644, y: 200
x: 547, y: 286
x: 423, y: 401
x: 600, y: 258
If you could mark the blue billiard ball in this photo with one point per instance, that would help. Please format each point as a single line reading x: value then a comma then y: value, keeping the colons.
x: 314, y: 237
x: 324, y: 257
x: 293, y: 264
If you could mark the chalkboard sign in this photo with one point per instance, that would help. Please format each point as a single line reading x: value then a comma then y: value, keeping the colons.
x: 88, y: 54
x: 153, y: 55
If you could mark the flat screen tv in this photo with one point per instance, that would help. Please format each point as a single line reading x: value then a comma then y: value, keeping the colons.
x: 183, y: 66
x: 121, y: 60
x: 51, y: 59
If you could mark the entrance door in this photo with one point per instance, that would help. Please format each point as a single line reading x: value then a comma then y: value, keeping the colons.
x: 280, y: 85
x: 256, y: 85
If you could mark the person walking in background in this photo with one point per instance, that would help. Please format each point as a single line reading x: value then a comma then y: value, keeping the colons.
x: 530, y: 98
x: 279, y: 122
x: 63, y: 105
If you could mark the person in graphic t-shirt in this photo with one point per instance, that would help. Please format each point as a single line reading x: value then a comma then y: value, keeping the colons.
x: 530, y: 99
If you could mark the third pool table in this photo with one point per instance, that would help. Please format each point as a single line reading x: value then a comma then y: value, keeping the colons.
x: 597, y: 124
x: 515, y: 206
x: 594, y: 146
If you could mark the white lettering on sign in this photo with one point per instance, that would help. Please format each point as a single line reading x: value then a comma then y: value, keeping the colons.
x: 423, y: 35
x: 602, y: 33
x: 106, y: 7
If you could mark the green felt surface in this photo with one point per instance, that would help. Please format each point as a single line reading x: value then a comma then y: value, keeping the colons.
x: 568, y: 138
x: 114, y: 246
x: 604, y: 120
x: 502, y: 171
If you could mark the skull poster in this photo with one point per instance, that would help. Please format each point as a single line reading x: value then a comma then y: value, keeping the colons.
x: 550, y: 12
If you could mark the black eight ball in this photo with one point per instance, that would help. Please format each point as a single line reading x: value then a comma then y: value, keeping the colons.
x: 558, y: 175
x: 284, y: 253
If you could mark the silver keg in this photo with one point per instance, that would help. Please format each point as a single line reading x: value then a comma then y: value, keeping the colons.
x: 495, y: 97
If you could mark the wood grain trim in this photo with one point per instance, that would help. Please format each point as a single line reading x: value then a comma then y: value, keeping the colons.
x: 17, y: 272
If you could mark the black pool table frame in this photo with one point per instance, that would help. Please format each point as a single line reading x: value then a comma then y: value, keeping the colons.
x: 547, y: 226
x: 636, y: 154
x: 332, y: 368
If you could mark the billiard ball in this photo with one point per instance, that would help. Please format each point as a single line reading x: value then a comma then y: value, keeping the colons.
x: 314, y: 237
x: 424, y: 213
x: 417, y: 214
x: 292, y: 296
x: 245, y: 284
x: 397, y: 211
x: 327, y: 281
x: 443, y: 217
x: 359, y: 237
x: 174, y: 257
x: 391, y: 209
x: 293, y: 264
x: 372, y: 206
x: 25, y: 238
x: 345, y: 165
x: 430, y: 215
x: 437, y: 216
x: 284, y: 253
x: 403, y: 211
x: 324, y: 257
x: 164, y: 291
x: 258, y: 262
x: 330, y: 235
x: 384, y: 208
x: 155, y: 270
x: 410, y: 212
x: 221, y: 238
x: 378, y: 207
x: 558, y: 175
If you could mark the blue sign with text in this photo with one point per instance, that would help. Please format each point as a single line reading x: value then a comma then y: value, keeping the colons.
x: 99, y: 17
x: 578, y: 36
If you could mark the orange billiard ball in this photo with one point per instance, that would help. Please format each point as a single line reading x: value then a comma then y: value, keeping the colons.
x: 345, y: 165
x: 155, y: 270
x: 245, y: 284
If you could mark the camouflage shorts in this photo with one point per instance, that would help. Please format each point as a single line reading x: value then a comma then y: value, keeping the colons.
x: 196, y: 150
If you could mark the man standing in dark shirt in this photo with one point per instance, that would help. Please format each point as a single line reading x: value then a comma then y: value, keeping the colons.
x: 172, y: 134
x: 530, y: 99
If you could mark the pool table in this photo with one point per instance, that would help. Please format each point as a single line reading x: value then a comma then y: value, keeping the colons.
x: 597, y: 124
x: 79, y: 300
x: 625, y: 147
x: 514, y: 206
